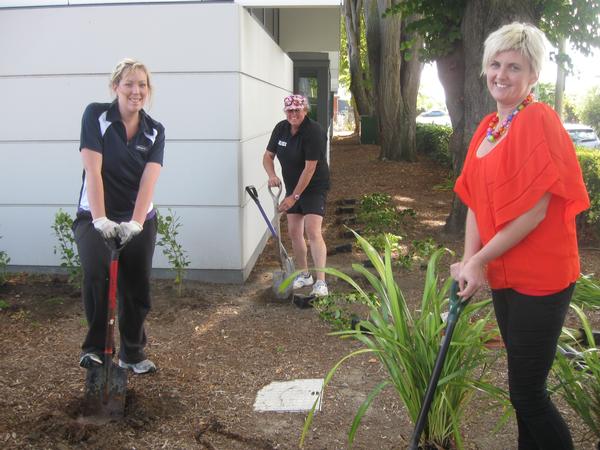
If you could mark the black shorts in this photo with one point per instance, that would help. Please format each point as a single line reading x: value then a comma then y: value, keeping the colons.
x: 311, y: 203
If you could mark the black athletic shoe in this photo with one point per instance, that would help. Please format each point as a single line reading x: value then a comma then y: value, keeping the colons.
x: 90, y: 360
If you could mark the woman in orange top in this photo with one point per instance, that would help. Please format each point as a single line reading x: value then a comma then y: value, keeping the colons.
x: 523, y: 187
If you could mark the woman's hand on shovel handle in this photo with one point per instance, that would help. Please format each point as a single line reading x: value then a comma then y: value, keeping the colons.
x: 274, y: 181
x: 471, y: 277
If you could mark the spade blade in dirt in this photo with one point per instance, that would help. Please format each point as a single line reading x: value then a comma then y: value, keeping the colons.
x: 105, y: 391
x: 278, y: 278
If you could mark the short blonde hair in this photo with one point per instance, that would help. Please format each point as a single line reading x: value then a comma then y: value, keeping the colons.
x: 126, y: 66
x: 521, y: 37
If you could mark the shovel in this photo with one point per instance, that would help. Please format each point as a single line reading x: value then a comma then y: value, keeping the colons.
x: 287, y: 263
x: 106, y: 386
x: 456, y: 307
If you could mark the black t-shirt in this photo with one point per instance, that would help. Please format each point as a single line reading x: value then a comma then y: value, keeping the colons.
x: 123, y: 162
x: 308, y: 144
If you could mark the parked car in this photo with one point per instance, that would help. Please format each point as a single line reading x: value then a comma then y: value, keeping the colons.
x: 435, y: 116
x: 583, y: 135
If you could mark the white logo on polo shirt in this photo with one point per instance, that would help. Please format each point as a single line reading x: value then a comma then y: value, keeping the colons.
x: 282, y: 143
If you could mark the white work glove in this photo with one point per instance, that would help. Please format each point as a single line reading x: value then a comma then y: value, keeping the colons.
x: 107, y: 228
x: 127, y: 230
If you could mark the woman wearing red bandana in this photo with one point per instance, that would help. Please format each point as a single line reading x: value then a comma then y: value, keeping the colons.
x: 523, y: 187
x: 300, y: 145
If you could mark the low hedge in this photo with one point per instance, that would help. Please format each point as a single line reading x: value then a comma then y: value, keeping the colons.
x: 589, y: 160
x: 433, y: 141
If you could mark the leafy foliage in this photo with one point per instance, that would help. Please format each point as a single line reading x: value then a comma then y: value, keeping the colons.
x: 579, y: 377
x: 378, y: 213
x: 63, y: 230
x: 434, y: 140
x: 4, y: 260
x: 334, y: 309
x: 407, y: 346
x: 575, y: 19
x: 168, y: 230
x: 589, y: 160
x: 438, y: 23
x: 587, y: 292
x: 590, y: 109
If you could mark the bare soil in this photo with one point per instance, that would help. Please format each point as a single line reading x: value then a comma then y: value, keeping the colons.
x: 217, y: 345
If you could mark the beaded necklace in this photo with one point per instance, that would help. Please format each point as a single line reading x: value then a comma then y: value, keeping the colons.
x: 493, y: 135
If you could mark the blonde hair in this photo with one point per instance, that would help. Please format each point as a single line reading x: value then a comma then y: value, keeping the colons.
x: 517, y: 36
x: 126, y: 66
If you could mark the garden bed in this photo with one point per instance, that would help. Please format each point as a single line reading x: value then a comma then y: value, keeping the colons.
x: 216, y: 346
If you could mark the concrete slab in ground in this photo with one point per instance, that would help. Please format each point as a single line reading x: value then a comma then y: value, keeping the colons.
x: 290, y: 396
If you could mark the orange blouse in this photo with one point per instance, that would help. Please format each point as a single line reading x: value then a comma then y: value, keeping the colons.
x: 536, y: 156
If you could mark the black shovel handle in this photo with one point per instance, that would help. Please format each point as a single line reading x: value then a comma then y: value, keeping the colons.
x: 456, y: 306
x: 251, y: 190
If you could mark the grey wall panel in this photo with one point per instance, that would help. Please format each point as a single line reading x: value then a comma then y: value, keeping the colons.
x: 198, y: 106
x: 261, y: 57
x: 211, y: 236
x: 191, y: 106
x: 199, y: 173
x: 323, y: 23
x: 27, y: 235
x: 39, y: 173
x: 28, y: 239
x: 91, y: 39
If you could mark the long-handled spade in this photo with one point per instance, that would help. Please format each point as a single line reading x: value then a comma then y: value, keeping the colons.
x: 287, y: 263
x: 456, y: 307
x: 106, y: 386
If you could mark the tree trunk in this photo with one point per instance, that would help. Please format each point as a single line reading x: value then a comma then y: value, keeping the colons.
x: 358, y: 77
x: 395, y: 81
x: 481, y: 17
x: 410, y: 79
x: 561, y: 75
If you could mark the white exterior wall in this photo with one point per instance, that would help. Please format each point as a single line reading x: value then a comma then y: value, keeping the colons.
x: 219, y: 80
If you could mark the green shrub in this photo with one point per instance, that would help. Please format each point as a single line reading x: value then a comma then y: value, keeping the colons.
x: 378, y: 214
x: 407, y: 344
x: 433, y: 141
x: 67, y: 249
x: 589, y: 160
x: 168, y: 230
x: 4, y: 260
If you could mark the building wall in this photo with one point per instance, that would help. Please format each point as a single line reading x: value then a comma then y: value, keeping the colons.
x: 218, y: 82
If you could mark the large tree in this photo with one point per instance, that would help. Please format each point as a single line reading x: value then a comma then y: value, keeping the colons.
x: 388, y: 90
x: 360, y: 85
x: 454, y: 32
x: 396, y: 72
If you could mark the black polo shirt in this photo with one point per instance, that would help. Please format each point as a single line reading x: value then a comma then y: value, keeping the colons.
x: 122, y: 162
x: 308, y: 144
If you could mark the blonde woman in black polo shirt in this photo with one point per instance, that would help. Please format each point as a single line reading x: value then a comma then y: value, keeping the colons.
x: 122, y: 152
x: 300, y: 145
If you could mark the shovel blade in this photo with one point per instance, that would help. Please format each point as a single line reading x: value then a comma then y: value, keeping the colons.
x: 105, y: 391
x: 278, y: 278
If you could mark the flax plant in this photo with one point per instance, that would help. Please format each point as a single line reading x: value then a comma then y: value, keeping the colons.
x: 406, y: 343
x: 587, y: 292
x: 579, y: 377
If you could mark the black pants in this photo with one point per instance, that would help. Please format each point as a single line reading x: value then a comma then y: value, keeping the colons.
x: 133, y: 287
x: 530, y: 327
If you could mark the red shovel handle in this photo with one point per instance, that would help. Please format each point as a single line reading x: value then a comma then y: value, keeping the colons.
x: 115, y: 249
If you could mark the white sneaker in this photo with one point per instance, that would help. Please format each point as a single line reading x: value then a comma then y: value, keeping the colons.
x: 145, y: 366
x: 320, y: 289
x: 303, y: 280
